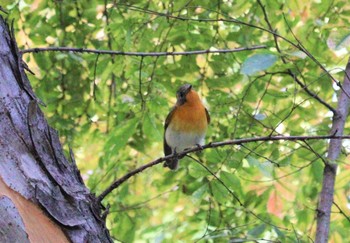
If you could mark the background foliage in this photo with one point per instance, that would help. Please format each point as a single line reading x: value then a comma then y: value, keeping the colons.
x: 110, y: 110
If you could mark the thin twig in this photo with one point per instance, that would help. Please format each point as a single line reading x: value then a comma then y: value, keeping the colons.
x: 139, y: 54
x: 94, y: 86
x: 341, y: 211
x: 124, y: 178
x: 143, y: 102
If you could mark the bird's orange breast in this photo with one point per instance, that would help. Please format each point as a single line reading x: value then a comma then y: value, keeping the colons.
x: 190, y: 117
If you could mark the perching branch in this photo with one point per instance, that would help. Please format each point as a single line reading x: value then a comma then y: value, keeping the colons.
x: 130, y: 174
x: 140, y: 54
x: 329, y: 172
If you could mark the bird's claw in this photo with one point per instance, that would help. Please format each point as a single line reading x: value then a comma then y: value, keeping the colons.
x: 199, y: 146
x: 175, y: 154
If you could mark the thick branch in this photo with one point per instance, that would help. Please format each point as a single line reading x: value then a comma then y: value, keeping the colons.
x: 140, y: 54
x: 329, y: 173
x: 130, y: 174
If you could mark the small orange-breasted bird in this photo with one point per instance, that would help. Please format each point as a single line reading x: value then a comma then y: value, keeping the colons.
x: 185, y: 125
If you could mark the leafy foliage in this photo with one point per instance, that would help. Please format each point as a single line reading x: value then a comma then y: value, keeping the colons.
x: 110, y: 110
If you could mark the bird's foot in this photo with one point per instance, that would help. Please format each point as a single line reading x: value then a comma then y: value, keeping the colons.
x: 200, y: 147
x: 175, y: 154
x: 172, y: 163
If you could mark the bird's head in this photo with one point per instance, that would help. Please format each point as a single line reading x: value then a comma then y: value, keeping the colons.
x: 185, y: 94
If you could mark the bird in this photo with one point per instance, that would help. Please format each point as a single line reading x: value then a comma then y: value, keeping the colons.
x: 186, y: 124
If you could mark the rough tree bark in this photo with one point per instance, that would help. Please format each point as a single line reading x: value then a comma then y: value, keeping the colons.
x: 42, y: 196
x: 329, y: 172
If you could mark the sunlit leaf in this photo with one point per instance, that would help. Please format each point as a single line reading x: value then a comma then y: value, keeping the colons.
x: 120, y: 135
x: 257, y: 63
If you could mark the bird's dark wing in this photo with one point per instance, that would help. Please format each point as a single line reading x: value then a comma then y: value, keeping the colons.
x: 168, y: 118
x: 208, y: 116
x: 167, y: 149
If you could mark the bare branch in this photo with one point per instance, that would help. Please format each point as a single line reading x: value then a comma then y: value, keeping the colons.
x: 124, y: 178
x: 139, y: 54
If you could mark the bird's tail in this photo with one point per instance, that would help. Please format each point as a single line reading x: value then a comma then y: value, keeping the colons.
x: 172, y: 163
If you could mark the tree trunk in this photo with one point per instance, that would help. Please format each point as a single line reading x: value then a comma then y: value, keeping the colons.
x: 42, y: 195
x: 329, y: 172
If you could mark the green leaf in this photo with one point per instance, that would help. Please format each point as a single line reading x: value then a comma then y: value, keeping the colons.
x: 253, y: 161
x: 126, y: 229
x: 220, y: 192
x: 257, y: 231
x: 150, y: 128
x: 266, y: 167
x: 231, y: 181
x: 198, y: 195
x: 316, y: 170
x: 257, y: 63
x: 120, y: 135
x: 197, y: 171
x: 285, y: 161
